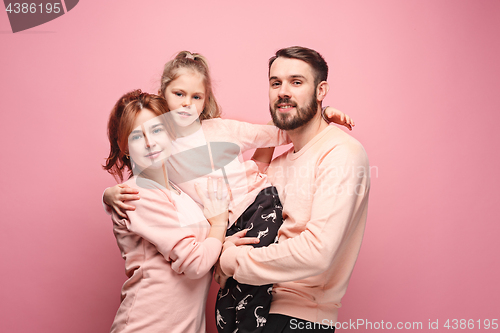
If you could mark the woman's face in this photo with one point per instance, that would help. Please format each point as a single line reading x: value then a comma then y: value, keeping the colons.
x: 186, y: 97
x: 149, y: 143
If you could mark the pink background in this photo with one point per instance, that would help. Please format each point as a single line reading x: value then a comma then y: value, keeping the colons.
x: 421, y: 78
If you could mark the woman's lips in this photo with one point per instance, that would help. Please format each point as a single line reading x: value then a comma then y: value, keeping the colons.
x: 154, y: 154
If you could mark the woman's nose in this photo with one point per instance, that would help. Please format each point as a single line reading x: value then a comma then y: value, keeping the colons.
x: 149, y: 141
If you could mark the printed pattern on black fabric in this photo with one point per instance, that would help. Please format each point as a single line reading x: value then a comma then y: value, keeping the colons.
x: 241, y: 307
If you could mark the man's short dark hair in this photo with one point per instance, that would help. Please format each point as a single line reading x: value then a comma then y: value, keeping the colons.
x: 313, y: 58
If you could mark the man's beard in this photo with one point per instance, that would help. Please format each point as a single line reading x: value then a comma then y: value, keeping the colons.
x: 302, y: 116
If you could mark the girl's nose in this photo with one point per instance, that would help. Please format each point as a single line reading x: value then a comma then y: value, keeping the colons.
x: 186, y: 102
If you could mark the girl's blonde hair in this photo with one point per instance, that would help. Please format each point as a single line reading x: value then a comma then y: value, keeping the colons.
x: 198, y: 63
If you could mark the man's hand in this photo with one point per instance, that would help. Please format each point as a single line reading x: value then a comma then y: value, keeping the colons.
x: 234, y: 240
x: 116, y: 195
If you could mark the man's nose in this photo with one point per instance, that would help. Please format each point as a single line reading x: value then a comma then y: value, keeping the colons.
x: 284, y: 91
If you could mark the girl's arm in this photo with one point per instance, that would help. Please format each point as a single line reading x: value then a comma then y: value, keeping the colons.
x: 263, y: 156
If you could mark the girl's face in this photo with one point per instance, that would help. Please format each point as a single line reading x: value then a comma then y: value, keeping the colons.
x: 149, y: 143
x: 186, y: 97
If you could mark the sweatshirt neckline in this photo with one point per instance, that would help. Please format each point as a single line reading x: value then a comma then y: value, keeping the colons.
x: 294, y: 156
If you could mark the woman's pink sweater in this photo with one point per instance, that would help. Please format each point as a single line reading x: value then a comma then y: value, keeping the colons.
x: 168, y: 261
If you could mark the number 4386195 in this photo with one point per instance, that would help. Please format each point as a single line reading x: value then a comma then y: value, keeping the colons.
x: 471, y: 324
x: 33, y: 8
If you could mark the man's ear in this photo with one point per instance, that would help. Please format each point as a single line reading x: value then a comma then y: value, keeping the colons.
x: 322, y: 90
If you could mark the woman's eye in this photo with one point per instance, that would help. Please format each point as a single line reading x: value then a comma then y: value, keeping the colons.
x: 136, y: 137
x: 157, y: 130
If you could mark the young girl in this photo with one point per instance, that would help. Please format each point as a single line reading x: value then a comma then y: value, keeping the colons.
x: 207, y: 146
x: 168, y: 245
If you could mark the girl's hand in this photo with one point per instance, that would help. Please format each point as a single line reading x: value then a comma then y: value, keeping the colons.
x: 339, y: 117
x: 215, y: 207
x: 116, y: 195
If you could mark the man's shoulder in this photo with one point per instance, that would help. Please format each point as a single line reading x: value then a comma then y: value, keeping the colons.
x: 335, y: 138
x: 337, y: 147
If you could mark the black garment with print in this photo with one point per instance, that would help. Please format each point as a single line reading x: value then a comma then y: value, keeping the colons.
x: 241, y: 307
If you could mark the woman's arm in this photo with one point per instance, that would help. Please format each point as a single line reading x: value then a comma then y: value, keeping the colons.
x: 157, y: 220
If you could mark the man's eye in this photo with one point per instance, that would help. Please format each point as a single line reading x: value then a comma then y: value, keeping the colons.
x: 275, y: 84
x: 296, y: 83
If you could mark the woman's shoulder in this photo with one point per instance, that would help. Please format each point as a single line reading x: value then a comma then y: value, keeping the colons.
x: 149, y: 189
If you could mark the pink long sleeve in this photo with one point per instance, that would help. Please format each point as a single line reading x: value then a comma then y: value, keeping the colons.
x: 247, y: 135
x: 156, y: 220
x: 215, y: 151
x: 313, y: 250
x: 324, y: 190
x: 168, y: 258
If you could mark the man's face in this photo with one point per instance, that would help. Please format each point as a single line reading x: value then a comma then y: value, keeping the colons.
x: 292, y: 93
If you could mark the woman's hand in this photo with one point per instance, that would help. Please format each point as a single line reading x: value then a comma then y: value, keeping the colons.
x: 234, y: 240
x: 215, y: 207
x: 116, y: 195
x: 339, y: 117
x: 237, y: 239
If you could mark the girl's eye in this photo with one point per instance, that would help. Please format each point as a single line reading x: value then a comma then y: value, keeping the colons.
x: 178, y: 94
x: 136, y: 137
x: 197, y: 97
x: 157, y: 130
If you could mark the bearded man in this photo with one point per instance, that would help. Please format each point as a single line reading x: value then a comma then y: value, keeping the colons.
x: 323, y: 182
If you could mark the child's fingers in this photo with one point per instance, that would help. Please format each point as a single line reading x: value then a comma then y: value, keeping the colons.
x: 200, y: 193
x: 119, y: 212
x: 246, y: 241
x: 124, y: 206
x: 219, y: 189
x: 128, y: 190
x: 239, y: 234
x: 210, y: 188
x: 128, y: 197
